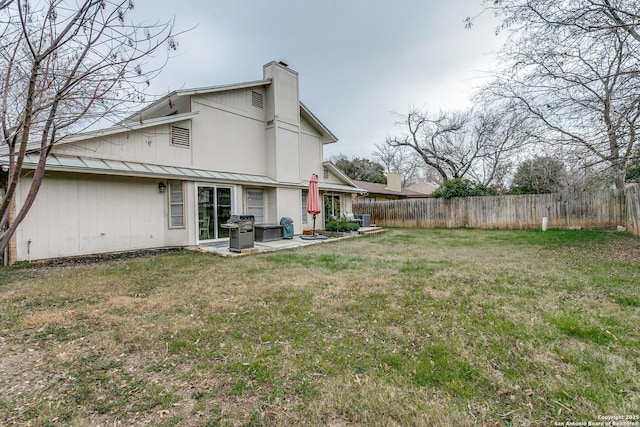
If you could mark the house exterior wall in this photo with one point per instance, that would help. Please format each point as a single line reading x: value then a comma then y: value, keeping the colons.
x: 310, y: 149
x: 330, y: 177
x: 228, y: 134
x: 82, y: 214
x: 149, y: 145
x: 378, y: 197
x: 283, y: 119
x: 289, y: 206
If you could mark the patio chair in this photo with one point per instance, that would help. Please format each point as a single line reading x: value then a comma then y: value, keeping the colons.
x: 351, y: 218
x: 204, y: 228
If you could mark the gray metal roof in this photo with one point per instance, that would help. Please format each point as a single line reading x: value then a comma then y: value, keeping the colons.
x: 340, y: 188
x: 127, y: 168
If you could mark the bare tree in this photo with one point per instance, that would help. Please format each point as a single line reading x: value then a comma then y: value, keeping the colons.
x: 472, y: 144
x: 573, y: 70
x: 584, y: 15
x: 63, y: 67
x: 406, y: 162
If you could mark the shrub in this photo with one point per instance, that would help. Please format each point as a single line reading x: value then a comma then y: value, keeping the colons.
x: 341, y: 224
x: 633, y: 172
x: 539, y: 175
x: 462, y: 187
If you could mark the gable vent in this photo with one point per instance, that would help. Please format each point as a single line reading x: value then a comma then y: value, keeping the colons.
x: 256, y: 99
x: 180, y: 136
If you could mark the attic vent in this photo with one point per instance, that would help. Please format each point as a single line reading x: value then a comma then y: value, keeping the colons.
x: 180, y: 136
x: 256, y: 99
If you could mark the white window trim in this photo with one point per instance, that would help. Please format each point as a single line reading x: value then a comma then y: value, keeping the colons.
x: 304, y: 213
x: 171, y: 204
x: 264, y: 201
x: 234, y: 205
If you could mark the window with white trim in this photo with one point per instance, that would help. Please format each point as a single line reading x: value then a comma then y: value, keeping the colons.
x: 176, y: 204
x: 305, y: 194
x: 255, y: 204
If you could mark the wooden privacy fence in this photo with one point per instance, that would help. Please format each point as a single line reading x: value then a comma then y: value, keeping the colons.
x: 632, y: 196
x: 601, y: 209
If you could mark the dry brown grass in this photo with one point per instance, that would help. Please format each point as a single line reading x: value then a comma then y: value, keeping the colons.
x: 413, y: 327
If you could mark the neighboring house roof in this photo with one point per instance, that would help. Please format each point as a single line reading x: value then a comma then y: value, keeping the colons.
x: 375, y: 188
x: 424, y: 187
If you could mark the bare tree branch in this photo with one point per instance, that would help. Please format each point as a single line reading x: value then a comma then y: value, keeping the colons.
x: 574, y: 71
x: 460, y: 144
x: 63, y: 67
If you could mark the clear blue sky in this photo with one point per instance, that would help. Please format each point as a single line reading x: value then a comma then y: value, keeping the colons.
x: 360, y: 62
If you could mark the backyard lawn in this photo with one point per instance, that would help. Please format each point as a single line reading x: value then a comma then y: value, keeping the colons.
x: 416, y: 327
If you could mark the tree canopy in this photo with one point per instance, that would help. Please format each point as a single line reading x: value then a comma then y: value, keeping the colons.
x: 538, y: 175
x: 360, y: 169
x: 462, y: 187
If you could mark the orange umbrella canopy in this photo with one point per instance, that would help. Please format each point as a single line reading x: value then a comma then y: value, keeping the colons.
x: 313, y: 198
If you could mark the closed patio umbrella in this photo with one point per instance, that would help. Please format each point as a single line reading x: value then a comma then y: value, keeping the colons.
x: 313, y: 200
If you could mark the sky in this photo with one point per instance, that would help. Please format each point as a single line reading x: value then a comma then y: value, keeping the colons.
x: 361, y: 63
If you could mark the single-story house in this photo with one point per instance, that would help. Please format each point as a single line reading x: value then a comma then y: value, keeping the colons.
x: 392, y: 190
x: 171, y: 174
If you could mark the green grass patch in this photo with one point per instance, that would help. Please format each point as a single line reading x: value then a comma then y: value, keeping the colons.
x: 576, y: 327
x: 331, y: 262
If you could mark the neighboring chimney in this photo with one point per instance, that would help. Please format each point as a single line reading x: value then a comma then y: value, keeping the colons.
x: 394, y: 181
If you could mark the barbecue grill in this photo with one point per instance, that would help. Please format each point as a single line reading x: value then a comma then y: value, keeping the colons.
x: 241, y: 232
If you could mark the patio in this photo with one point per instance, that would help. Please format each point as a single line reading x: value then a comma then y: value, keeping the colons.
x: 222, y: 248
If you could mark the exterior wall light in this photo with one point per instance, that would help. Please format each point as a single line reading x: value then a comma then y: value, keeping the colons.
x: 162, y: 187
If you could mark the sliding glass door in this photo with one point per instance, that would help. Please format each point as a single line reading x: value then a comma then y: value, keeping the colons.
x: 332, y: 208
x: 214, y: 209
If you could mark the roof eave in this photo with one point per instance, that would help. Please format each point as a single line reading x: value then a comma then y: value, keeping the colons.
x: 199, y: 91
x: 328, y: 136
x: 130, y: 126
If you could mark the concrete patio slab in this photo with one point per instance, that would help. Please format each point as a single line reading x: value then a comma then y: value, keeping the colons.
x: 222, y: 248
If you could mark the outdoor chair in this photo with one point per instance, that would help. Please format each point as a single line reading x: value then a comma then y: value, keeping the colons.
x: 351, y: 218
x: 204, y: 228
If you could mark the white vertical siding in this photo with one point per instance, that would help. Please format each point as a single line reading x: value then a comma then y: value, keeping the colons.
x: 289, y: 206
x: 284, y: 92
x: 80, y: 215
x: 150, y: 145
x: 287, y: 158
x: 230, y: 142
x: 310, y: 156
